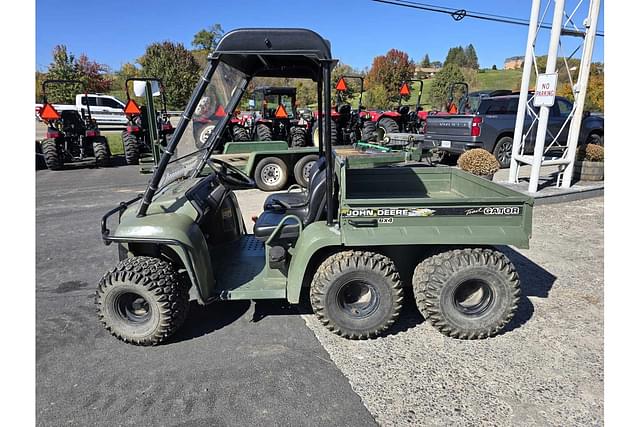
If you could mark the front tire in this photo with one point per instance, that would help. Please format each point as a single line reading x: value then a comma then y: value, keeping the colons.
x: 53, y: 156
x: 240, y: 134
x: 142, y: 301
x: 468, y: 293
x: 131, y: 148
x: 263, y: 132
x: 298, y: 136
x: 386, y: 125
x: 502, y: 151
x: 271, y: 174
x: 356, y: 294
x: 369, y: 131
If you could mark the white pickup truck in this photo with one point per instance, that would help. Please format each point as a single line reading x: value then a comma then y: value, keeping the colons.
x: 105, y: 109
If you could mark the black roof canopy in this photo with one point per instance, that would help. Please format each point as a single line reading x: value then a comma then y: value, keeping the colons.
x: 275, y: 90
x: 274, y: 52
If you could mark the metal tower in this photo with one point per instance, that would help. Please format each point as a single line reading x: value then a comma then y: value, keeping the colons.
x: 547, y: 149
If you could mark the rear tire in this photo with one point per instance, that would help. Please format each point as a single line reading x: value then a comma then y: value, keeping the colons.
x: 502, y: 151
x: 468, y: 293
x: 302, y: 169
x: 131, y: 148
x: 240, y: 134
x: 356, y: 294
x: 316, y: 137
x: 386, y: 125
x: 263, y: 132
x: 53, y: 155
x: 142, y: 301
x: 369, y: 131
x: 271, y: 174
x: 298, y: 136
x: 101, y: 151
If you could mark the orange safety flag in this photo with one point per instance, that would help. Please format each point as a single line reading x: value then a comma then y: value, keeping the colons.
x: 341, y: 86
x: 132, y: 108
x: 453, y: 109
x: 404, y: 89
x: 49, y: 113
x: 220, y: 111
x: 281, y: 113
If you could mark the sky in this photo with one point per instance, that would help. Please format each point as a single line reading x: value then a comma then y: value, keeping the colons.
x: 115, y: 32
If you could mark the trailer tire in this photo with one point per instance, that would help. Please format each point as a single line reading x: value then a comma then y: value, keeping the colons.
x: 298, y: 136
x: 53, y: 156
x: 142, y: 300
x: 302, y: 169
x: 101, y: 151
x: 316, y: 136
x: 467, y: 293
x: 369, y: 131
x: 131, y: 148
x: 386, y: 125
x: 357, y: 294
x: 264, y: 132
x: 240, y: 134
x: 502, y: 151
x: 271, y: 174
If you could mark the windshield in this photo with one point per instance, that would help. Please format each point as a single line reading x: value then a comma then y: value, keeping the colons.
x: 211, y: 109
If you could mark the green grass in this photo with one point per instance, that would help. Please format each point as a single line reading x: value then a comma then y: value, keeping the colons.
x: 497, y: 79
x: 115, y: 142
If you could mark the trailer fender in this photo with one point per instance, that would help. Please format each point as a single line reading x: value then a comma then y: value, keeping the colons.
x: 314, y: 240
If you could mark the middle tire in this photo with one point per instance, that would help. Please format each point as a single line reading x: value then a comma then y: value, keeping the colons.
x: 271, y: 174
x: 357, y: 294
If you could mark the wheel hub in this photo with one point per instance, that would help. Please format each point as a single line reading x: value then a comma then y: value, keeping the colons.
x: 271, y: 174
x: 357, y: 298
x: 473, y: 297
x: 133, y: 307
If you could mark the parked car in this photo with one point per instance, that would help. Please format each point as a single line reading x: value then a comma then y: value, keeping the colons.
x: 491, y: 126
x: 105, y: 109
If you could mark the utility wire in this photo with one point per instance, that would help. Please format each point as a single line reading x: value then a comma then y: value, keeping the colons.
x: 459, y: 14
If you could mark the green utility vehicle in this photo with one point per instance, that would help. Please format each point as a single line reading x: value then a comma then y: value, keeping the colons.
x: 361, y: 231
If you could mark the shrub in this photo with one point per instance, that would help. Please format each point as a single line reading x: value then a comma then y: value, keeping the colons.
x: 590, y: 152
x: 478, y: 162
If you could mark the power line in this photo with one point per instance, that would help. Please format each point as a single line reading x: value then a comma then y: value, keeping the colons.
x: 459, y: 14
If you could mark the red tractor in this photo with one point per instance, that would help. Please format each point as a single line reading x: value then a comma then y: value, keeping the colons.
x: 141, y: 132
x: 277, y: 118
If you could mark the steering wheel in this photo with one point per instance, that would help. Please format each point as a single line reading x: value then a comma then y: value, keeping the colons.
x: 231, y: 175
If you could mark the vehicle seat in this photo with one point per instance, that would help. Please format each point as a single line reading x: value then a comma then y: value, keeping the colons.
x: 403, y: 109
x: 290, y: 198
x: 313, y: 210
x: 72, y: 122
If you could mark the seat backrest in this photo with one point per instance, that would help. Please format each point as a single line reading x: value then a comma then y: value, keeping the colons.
x: 316, y: 198
x: 71, y: 120
x: 321, y: 162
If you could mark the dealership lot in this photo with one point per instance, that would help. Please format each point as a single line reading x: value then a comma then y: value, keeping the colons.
x: 248, y: 363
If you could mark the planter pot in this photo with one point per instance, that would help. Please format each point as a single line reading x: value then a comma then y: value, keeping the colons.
x: 586, y: 170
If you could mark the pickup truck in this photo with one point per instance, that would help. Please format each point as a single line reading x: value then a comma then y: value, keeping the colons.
x: 105, y: 109
x: 491, y: 126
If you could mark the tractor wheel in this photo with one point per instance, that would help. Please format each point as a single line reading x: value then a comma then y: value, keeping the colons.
x: 264, y: 132
x: 142, y: 300
x: 240, y: 134
x: 386, y: 125
x: 302, y: 169
x: 369, y: 132
x: 131, y: 148
x: 298, y: 136
x: 467, y: 293
x: 357, y: 294
x: 53, y: 156
x: 502, y: 151
x: 101, y: 151
x: 316, y: 135
x: 40, y: 163
x: 271, y: 174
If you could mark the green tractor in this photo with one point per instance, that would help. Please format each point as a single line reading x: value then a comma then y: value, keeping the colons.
x: 352, y: 241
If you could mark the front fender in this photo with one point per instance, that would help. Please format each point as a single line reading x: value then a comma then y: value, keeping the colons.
x: 313, y: 238
x: 180, y: 233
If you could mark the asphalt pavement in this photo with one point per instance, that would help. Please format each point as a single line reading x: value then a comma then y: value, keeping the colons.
x: 233, y: 363
x: 241, y: 363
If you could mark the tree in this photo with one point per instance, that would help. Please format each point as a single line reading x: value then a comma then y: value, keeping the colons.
x: 63, y: 67
x: 493, y: 67
x: 456, y: 56
x: 436, y: 64
x: 177, y: 68
x: 439, y: 91
x: 208, y: 38
x: 425, y: 63
x: 386, y: 74
x: 94, y: 75
x: 471, y: 58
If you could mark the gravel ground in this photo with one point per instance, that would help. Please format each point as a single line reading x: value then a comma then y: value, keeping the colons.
x: 546, y: 369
